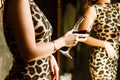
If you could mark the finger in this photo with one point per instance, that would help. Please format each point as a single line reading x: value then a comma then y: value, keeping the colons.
x: 56, y: 69
x: 54, y: 76
x: 111, y: 56
x: 56, y: 73
x: 51, y: 67
x: 81, y: 39
x: 81, y: 35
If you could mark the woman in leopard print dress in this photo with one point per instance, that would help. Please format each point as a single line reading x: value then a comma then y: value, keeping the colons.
x: 104, y: 38
x: 28, y: 35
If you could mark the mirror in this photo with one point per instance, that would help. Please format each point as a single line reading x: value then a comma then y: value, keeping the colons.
x: 78, y: 68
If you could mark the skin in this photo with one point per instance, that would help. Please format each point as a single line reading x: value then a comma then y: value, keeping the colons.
x: 25, y: 36
x: 90, y: 14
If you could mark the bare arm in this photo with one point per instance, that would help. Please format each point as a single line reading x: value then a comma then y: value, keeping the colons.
x: 91, y: 14
x: 19, y: 14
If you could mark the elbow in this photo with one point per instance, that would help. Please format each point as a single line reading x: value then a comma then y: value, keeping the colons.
x: 27, y: 52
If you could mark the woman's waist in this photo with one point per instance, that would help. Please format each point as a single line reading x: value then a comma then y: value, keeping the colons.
x: 20, y: 62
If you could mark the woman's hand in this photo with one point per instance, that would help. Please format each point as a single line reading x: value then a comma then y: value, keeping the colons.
x: 54, y: 68
x: 110, y: 50
x: 71, y: 39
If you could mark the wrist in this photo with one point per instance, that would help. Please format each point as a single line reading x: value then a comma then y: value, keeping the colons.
x: 59, y: 43
x: 55, y: 46
x: 63, y: 41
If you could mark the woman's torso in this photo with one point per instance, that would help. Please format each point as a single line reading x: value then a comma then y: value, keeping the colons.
x: 106, y: 25
x: 43, y: 32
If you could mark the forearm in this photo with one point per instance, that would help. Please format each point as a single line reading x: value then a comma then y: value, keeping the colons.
x: 52, y: 46
x: 42, y: 49
x: 94, y: 42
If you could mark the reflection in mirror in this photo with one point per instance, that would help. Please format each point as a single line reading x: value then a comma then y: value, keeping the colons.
x: 78, y: 68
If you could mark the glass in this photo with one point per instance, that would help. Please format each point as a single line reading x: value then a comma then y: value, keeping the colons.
x: 66, y: 50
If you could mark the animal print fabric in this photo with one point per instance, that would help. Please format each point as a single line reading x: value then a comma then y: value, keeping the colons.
x: 38, y: 69
x: 105, y: 28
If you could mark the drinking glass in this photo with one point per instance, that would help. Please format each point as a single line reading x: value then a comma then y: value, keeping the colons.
x: 66, y: 50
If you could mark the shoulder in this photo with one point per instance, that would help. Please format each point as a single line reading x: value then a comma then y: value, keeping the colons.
x: 90, y: 9
x: 90, y: 12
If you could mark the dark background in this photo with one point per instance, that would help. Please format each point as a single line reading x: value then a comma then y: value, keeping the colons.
x: 49, y: 8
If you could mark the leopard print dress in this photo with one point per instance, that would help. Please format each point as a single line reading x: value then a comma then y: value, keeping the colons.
x: 36, y: 69
x: 105, y: 28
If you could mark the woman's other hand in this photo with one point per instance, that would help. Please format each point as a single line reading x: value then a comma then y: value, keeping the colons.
x: 110, y: 50
x: 54, y: 68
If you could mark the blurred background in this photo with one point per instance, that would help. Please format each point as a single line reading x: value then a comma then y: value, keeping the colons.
x: 62, y: 15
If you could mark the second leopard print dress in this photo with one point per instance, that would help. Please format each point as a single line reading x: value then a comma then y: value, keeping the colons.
x: 105, y: 28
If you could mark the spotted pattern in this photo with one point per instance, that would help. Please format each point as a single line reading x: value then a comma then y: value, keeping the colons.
x: 105, y: 28
x: 38, y: 69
